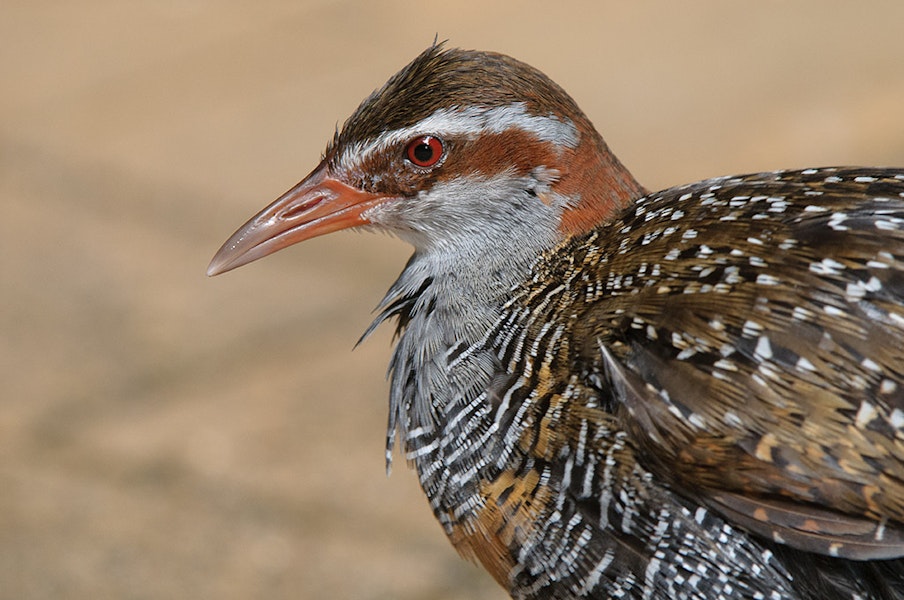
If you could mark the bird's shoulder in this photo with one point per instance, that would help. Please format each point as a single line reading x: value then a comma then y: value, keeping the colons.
x: 748, y: 332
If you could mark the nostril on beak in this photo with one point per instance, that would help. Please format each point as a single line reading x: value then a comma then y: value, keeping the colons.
x: 298, y: 210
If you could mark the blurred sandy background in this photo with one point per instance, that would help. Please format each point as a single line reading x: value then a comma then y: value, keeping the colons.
x: 165, y: 435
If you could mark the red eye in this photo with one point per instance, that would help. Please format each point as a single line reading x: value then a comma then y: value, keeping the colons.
x: 424, y: 151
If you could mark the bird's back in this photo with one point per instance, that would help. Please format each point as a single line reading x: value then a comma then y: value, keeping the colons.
x: 721, y: 359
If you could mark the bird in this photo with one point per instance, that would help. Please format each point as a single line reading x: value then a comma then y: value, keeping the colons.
x: 608, y: 392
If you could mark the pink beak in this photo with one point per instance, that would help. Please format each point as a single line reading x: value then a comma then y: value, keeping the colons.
x: 320, y: 204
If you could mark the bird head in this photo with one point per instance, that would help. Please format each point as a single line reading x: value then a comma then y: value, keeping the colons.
x: 458, y: 150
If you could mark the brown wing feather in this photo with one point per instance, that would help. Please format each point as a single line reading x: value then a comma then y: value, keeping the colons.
x: 752, y: 331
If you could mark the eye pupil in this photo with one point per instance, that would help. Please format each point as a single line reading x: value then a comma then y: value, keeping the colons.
x: 425, y: 151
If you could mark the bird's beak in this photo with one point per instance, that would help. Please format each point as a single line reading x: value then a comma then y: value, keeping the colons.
x: 318, y: 205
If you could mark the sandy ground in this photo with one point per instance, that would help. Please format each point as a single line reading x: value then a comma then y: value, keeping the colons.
x: 165, y: 435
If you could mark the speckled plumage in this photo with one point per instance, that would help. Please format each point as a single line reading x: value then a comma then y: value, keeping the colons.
x: 744, y: 334
x: 606, y: 393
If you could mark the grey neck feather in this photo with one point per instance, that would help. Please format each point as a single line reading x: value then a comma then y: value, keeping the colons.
x: 449, y: 295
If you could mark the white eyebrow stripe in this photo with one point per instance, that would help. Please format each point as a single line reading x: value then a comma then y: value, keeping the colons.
x: 470, y: 122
